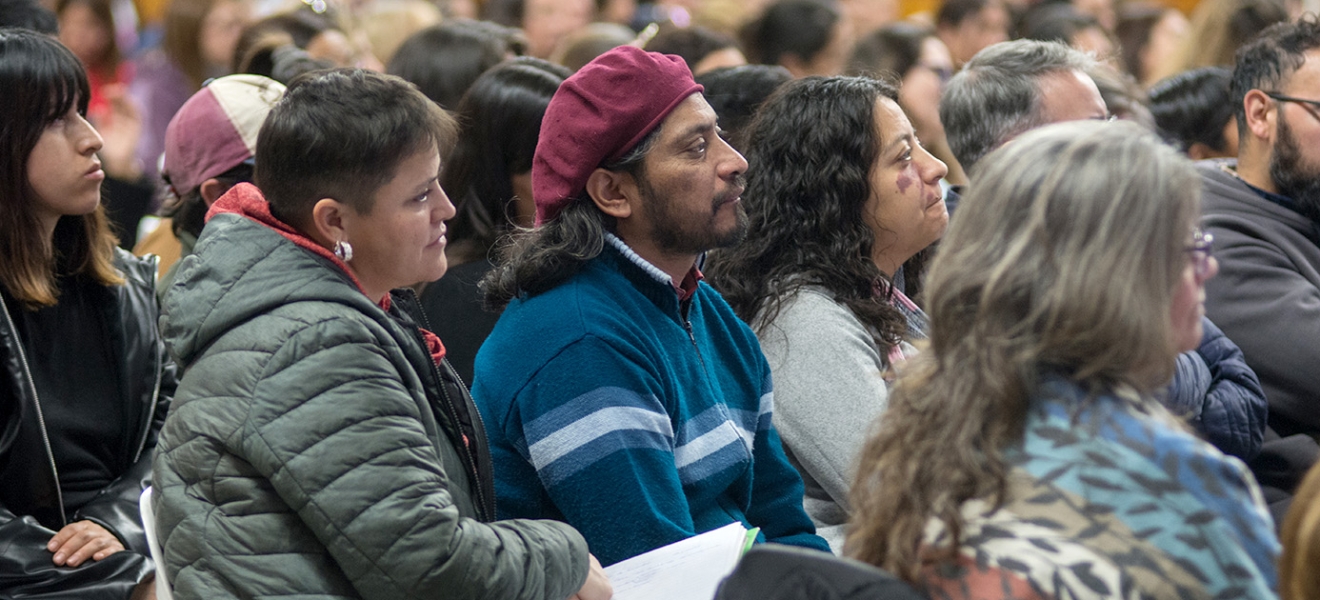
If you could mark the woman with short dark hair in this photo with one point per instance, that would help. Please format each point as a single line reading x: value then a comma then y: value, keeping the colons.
x: 321, y: 444
x: 1194, y: 112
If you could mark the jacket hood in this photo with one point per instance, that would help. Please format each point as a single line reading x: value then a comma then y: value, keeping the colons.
x: 1225, y: 194
x: 246, y: 263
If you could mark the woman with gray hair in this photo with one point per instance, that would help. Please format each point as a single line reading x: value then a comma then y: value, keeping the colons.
x: 1023, y: 450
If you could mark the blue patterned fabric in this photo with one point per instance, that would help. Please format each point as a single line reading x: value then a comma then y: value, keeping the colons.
x: 1112, y: 499
x: 637, y: 419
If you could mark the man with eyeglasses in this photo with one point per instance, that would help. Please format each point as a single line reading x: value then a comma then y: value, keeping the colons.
x: 1264, y: 212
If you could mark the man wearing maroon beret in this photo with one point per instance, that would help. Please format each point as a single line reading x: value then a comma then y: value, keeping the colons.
x: 620, y: 393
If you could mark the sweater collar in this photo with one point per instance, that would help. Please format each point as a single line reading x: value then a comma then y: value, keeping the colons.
x: 685, y: 289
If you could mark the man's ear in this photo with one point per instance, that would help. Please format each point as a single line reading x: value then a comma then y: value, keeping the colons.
x: 1261, y: 115
x: 613, y: 192
x: 327, y: 222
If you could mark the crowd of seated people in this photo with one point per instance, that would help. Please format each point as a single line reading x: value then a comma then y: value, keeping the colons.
x: 477, y: 298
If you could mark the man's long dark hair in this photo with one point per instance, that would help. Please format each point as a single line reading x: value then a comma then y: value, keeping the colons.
x: 532, y: 261
x: 811, y: 150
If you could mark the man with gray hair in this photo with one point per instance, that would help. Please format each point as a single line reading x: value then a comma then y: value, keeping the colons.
x: 1012, y: 87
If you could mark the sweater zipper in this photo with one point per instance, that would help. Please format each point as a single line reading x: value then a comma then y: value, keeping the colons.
x: 155, y: 390
x: 482, y: 501
x: 41, y: 420
x: 683, y: 308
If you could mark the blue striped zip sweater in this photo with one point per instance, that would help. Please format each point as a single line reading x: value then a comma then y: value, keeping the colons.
x: 637, y: 418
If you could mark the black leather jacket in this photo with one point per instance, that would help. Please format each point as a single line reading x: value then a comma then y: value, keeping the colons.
x: 31, y: 502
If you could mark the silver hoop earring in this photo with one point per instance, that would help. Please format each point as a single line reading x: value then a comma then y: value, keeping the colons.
x: 344, y: 251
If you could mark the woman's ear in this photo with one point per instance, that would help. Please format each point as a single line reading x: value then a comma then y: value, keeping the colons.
x: 613, y: 192
x: 328, y: 222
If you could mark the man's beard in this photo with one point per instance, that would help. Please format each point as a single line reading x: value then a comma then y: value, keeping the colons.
x: 1294, y: 179
x: 694, y: 235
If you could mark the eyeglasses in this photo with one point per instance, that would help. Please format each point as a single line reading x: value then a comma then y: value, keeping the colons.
x: 942, y: 72
x: 1311, y: 106
x: 1201, y: 251
x: 1283, y: 98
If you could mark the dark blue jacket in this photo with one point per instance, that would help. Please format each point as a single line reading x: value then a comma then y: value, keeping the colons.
x: 1220, y: 395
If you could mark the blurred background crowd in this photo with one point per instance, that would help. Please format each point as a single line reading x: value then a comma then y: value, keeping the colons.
x: 145, y: 58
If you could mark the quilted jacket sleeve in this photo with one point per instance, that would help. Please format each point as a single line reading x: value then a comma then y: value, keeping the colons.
x: 1233, y: 415
x: 342, y: 442
x: 1219, y: 395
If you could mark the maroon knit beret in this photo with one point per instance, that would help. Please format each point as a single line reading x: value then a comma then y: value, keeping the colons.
x: 598, y: 115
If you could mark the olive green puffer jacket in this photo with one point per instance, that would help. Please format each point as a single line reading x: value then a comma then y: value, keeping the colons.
x: 314, y: 450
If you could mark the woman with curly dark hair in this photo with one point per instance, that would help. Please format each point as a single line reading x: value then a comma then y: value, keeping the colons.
x: 915, y: 58
x: 840, y: 194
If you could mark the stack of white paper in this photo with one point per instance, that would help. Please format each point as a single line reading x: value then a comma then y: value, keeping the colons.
x: 689, y: 569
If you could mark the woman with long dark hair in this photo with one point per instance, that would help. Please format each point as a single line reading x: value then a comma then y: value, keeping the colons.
x: 840, y: 194
x: 1024, y: 453
x: 85, y: 379
x: 445, y: 60
x: 490, y: 170
x: 490, y: 177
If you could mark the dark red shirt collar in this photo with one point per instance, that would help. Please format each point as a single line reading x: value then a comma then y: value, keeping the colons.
x: 688, y: 287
